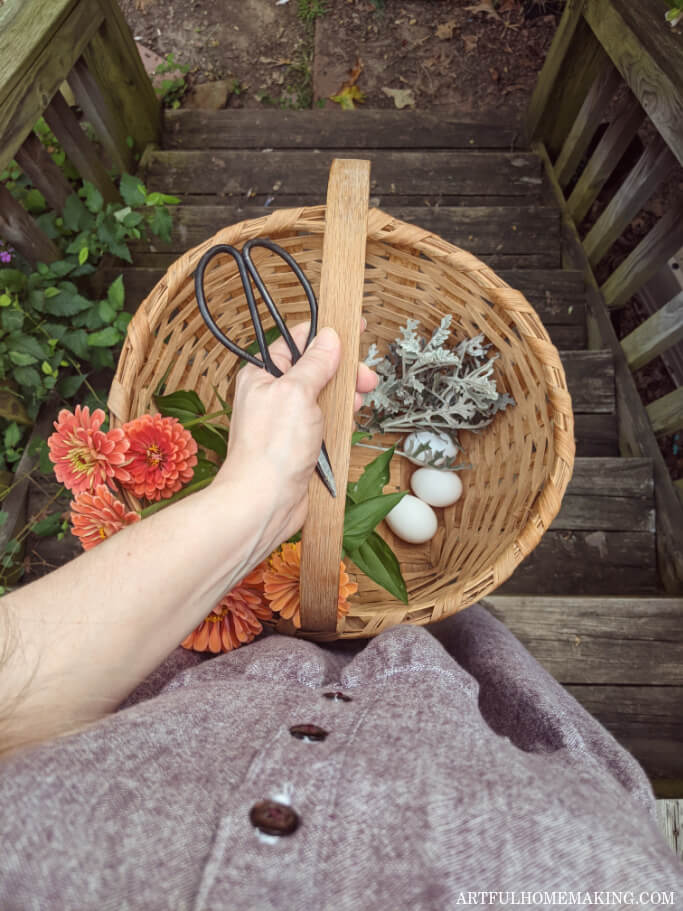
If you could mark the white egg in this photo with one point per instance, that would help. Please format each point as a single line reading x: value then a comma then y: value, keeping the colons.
x: 412, y: 520
x: 438, y: 488
x: 440, y: 446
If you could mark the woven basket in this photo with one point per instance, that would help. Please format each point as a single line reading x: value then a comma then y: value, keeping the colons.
x: 522, y: 462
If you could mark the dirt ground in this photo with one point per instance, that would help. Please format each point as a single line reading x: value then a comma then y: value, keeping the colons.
x: 474, y: 56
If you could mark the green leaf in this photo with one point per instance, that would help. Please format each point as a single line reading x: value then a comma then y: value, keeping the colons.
x: 374, y: 479
x: 76, y: 340
x: 211, y: 437
x: 132, y: 220
x: 106, y: 312
x: 12, y: 280
x: 68, y: 386
x: 101, y: 357
x: 75, y: 214
x: 12, y: 435
x: 358, y: 435
x: 203, y: 469
x: 378, y: 561
x: 116, y: 294
x: 270, y: 336
x: 34, y: 201
x: 67, y: 303
x: 83, y: 254
x: 224, y: 405
x: 4, y: 516
x: 185, y: 402
x: 121, y: 322
x: 132, y: 190
x: 161, y: 199
x: 48, y: 526
x: 93, y: 197
x: 20, y: 359
x: 47, y: 222
x: 160, y: 224
x: 61, y: 268
x: 121, y: 250
x: 27, y: 344
x: 362, y: 518
x: 105, y: 338
x: 27, y: 376
x: 11, y: 320
x: 122, y: 213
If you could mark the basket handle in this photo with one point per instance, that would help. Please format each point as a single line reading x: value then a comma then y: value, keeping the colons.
x: 341, y: 300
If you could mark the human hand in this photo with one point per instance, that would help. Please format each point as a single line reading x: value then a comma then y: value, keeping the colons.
x: 276, y: 428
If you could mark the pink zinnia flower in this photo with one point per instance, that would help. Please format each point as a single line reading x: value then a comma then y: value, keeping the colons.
x: 234, y: 621
x: 97, y: 516
x: 83, y: 455
x: 162, y: 456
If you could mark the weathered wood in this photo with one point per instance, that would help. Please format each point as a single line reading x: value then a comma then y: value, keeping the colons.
x: 104, y: 119
x: 663, y: 329
x: 590, y: 378
x: 236, y: 172
x: 670, y: 822
x: 588, y: 563
x: 63, y: 123
x: 556, y: 60
x: 647, y: 720
x: 19, y: 229
x: 649, y: 56
x: 367, y: 129
x: 114, y: 61
x: 596, y: 435
x: 613, y: 478
x: 635, y: 433
x: 606, y: 513
x: 39, y: 43
x: 606, y: 157
x: 666, y: 413
x: 35, y: 161
x: 666, y: 284
x: 587, y: 120
x: 654, y: 249
x: 599, y: 640
x: 652, y: 168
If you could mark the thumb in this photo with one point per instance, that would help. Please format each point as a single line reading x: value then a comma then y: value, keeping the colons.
x: 319, y: 362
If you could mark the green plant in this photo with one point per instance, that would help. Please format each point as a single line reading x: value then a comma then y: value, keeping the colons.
x: 310, y: 10
x: 675, y: 13
x: 171, y: 90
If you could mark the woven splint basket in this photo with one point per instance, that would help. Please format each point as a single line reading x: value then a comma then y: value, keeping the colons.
x: 522, y: 461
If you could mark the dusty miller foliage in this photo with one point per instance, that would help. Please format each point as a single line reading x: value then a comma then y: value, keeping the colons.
x: 426, y: 386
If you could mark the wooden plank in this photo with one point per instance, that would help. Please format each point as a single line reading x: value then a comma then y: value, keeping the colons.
x: 599, y: 640
x: 82, y: 153
x: 649, y: 56
x: 20, y: 230
x: 644, y: 719
x: 635, y: 433
x: 670, y: 822
x: 114, y: 61
x: 36, y: 162
x: 588, y: 563
x: 613, y: 478
x: 105, y: 121
x: 666, y: 413
x: 596, y: 435
x: 39, y: 43
x: 654, y: 249
x: 587, y: 120
x: 666, y: 284
x: 652, y: 168
x: 555, y: 62
x: 367, y: 129
x: 662, y: 330
x: 235, y: 172
x: 606, y: 157
x: 590, y: 378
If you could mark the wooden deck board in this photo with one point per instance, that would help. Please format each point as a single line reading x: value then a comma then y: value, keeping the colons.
x: 247, y: 129
x: 293, y: 172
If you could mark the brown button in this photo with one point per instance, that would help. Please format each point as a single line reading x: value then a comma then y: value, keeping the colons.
x: 273, y: 818
x: 307, y: 732
x: 337, y: 696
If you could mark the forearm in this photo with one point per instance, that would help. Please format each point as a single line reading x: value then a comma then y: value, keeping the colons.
x: 91, y: 631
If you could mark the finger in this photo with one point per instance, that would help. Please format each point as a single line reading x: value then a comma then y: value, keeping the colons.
x: 279, y: 350
x: 358, y: 402
x: 366, y: 379
x: 319, y: 362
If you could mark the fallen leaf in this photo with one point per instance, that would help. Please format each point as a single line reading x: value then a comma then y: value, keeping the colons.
x: 403, y: 98
x: 495, y: 75
x: 347, y: 96
x: 354, y: 74
x: 483, y: 6
x: 470, y: 42
x: 446, y: 29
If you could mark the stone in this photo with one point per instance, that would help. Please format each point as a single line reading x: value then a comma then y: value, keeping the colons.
x: 208, y: 96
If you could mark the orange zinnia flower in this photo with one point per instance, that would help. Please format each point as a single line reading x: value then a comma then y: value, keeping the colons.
x: 97, y: 516
x: 83, y: 455
x: 233, y: 622
x: 281, y: 584
x: 162, y: 456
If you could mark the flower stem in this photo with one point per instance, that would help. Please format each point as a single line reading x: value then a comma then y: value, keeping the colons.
x: 162, y: 504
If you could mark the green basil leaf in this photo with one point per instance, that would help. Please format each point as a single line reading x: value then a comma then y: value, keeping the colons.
x: 378, y: 561
x: 361, y: 519
x: 105, y: 338
x: 374, y: 479
x: 48, y: 526
x: 185, y: 401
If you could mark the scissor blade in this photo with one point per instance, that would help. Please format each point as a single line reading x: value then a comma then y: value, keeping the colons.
x: 325, y: 472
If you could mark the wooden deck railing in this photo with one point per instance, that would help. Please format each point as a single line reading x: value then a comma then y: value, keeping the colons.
x: 612, y: 64
x: 87, y: 43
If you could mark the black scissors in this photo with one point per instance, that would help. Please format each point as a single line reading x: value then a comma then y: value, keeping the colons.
x: 248, y: 270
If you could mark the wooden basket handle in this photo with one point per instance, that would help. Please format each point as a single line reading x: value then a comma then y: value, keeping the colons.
x: 340, y: 306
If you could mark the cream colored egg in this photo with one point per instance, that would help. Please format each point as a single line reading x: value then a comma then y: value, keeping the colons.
x: 438, y: 488
x: 412, y: 520
x: 441, y: 446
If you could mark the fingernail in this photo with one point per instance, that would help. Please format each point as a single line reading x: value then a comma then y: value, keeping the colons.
x: 363, y: 324
x: 326, y: 340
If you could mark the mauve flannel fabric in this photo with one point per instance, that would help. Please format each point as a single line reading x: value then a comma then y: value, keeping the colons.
x: 459, y: 765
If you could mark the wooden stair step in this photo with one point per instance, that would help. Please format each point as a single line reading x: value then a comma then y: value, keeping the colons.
x: 291, y: 173
x: 620, y: 657
x: 258, y: 129
x: 610, y: 495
